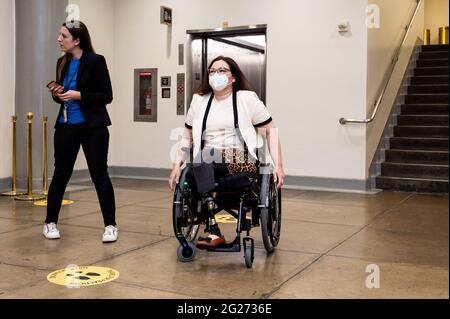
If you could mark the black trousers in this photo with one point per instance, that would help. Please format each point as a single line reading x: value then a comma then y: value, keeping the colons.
x: 206, y: 172
x: 95, y: 143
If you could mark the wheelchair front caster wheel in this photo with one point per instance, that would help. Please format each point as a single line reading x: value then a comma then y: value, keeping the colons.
x: 249, y: 251
x: 248, y: 257
x: 186, y: 254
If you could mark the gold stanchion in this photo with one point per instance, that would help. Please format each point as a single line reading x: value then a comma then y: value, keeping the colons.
x: 44, y: 157
x: 29, y: 195
x: 13, y: 191
x: 426, y: 37
x: 443, y: 35
x: 44, y: 164
x: 45, y: 168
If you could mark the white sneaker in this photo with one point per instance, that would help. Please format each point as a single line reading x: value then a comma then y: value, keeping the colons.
x: 51, y: 232
x: 111, y: 233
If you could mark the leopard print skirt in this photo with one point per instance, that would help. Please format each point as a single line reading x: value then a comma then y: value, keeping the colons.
x: 238, y: 161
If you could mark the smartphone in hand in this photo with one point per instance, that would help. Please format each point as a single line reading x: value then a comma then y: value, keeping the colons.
x: 55, y: 88
x: 52, y: 85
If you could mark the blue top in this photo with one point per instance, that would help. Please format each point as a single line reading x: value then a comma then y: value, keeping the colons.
x: 74, y: 114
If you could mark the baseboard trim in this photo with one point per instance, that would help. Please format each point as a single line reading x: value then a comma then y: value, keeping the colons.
x: 291, y: 182
x: 82, y: 175
x: 140, y: 172
x: 5, y: 184
x: 329, y: 184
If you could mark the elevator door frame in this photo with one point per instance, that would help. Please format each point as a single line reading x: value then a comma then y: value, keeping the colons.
x: 217, y: 34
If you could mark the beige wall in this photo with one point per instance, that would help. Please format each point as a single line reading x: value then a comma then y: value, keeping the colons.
x: 314, y: 74
x: 7, y: 79
x: 382, y: 44
x: 436, y: 16
x: 313, y: 78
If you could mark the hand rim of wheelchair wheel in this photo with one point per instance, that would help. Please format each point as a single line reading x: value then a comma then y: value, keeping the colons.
x: 190, y: 232
x: 270, y: 228
x: 275, y: 213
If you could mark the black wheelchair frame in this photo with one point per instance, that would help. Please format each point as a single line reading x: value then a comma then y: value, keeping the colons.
x: 257, y: 196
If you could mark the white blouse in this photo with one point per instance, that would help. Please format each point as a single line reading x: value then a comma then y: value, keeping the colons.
x: 220, y: 132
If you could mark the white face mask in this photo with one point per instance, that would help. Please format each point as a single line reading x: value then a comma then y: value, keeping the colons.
x: 218, y: 82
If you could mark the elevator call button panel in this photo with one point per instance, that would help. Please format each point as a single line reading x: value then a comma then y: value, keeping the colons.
x: 180, y: 93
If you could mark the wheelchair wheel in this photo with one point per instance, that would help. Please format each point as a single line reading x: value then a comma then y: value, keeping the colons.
x: 249, y: 251
x: 248, y: 257
x: 271, y: 214
x: 182, y: 217
x: 186, y: 254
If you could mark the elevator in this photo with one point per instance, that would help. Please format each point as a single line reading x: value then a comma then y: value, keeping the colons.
x: 246, y: 45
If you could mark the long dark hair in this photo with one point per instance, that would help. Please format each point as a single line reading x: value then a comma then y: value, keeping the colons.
x: 79, y: 31
x: 241, y: 82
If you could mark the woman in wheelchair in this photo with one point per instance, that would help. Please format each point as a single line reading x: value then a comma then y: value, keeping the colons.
x: 224, y: 129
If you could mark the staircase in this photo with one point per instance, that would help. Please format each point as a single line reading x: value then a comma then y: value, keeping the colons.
x: 417, y: 160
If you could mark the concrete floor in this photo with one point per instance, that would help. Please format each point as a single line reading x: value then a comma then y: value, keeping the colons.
x: 327, y: 241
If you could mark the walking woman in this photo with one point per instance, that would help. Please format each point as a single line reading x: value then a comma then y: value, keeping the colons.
x: 83, y: 89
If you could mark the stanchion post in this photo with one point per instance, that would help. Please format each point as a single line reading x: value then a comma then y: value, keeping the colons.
x: 13, y: 191
x: 44, y: 157
x: 443, y: 35
x: 29, y: 196
x: 426, y: 37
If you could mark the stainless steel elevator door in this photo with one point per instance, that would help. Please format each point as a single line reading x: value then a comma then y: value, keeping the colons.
x: 249, y: 52
x: 251, y: 62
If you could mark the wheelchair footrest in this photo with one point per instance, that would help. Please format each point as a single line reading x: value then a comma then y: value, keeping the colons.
x: 234, y: 246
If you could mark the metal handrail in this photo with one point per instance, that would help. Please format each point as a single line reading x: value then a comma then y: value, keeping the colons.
x: 394, y: 61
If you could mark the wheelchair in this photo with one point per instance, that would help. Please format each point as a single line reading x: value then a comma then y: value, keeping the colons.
x: 252, y: 199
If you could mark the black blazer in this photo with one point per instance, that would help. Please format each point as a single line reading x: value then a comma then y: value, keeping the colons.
x: 94, y: 84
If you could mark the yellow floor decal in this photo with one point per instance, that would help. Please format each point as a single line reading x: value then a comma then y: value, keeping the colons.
x: 44, y: 202
x: 225, y: 219
x: 82, y: 276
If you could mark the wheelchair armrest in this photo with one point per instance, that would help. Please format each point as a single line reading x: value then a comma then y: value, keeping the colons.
x: 188, y: 150
x: 189, y: 153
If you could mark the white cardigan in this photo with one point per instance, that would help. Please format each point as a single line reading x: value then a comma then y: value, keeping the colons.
x: 249, y: 107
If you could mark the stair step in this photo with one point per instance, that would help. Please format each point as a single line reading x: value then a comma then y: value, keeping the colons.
x: 419, y: 143
x: 428, y: 88
x: 435, y: 47
x: 439, y: 70
x: 414, y: 170
x: 437, y: 79
x: 416, y: 156
x: 412, y: 184
x: 433, y: 55
x: 427, y: 99
x: 417, y: 160
x: 430, y: 109
x: 422, y: 120
x: 421, y: 131
x: 432, y: 62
